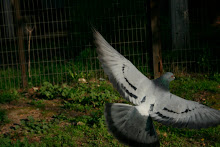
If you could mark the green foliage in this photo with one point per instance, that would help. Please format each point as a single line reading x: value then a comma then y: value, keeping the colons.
x: 81, y: 122
x: 170, y: 136
x: 90, y: 96
x: 75, y: 72
x: 204, y: 59
x: 74, y: 76
x: 87, y: 52
x: 6, y: 142
x: 50, y: 91
x: 81, y: 97
x: 215, y: 77
x: 58, y: 137
x: 30, y: 125
x: 95, y: 118
x: 66, y: 92
x: 8, y: 96
x: 38, y: 103
x: 188, y: 86
x: 3, y: 117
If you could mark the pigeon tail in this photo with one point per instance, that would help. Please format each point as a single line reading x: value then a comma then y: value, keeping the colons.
x: 129, y: 126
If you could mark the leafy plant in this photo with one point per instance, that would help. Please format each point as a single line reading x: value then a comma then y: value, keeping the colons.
x: 204, y: 59
x: 3, y: 117
x: 66, y: 92
x: 49, y: 91
x: 8, y: 96
x: 33, y: 126
x: 90, y: 96
x: 38, y: 103
x: 215, y: 77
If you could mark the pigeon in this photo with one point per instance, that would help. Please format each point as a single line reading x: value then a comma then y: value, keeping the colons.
x: 133, y: 124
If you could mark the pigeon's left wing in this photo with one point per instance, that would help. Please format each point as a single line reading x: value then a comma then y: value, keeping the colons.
x: 177, y: 112
x: 124, y: 76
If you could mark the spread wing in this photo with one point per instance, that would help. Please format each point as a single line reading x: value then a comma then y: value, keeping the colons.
x: 124, y: 76
x: 175, y: 111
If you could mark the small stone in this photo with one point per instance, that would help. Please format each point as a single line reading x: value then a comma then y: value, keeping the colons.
x: 36, y: 88
x: 101, y: 79
x: 165, y: 134
x: 80, y: 123
x: 82, y: 80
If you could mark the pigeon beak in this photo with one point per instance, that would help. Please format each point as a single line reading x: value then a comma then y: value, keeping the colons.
x: 173, y: 77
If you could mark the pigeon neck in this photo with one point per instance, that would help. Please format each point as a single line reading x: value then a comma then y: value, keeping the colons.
x: 164, y: 82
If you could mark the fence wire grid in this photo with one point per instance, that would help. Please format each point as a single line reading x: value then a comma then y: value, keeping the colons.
x: 51, y: 40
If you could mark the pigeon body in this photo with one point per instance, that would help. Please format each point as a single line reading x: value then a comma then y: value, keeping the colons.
x: 133, y: 125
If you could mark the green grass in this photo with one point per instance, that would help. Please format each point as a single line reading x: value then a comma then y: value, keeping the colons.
x: 193, y: 85
x: 199, y: 88
x: 38, y: 103
x: 81, y: 121
x: 3, y: 117
x: 54, y: 71
x: 8, y: 96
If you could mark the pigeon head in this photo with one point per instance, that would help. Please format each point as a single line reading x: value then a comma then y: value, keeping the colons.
x: 167, y: 78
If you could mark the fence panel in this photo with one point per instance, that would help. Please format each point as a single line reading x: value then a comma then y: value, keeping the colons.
x: 57, y: 39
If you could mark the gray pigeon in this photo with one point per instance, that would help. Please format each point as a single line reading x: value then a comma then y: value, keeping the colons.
x: 132, y: 125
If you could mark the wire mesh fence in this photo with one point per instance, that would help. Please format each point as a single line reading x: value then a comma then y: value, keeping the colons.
x: 200, y: 55
x: 51, y: 40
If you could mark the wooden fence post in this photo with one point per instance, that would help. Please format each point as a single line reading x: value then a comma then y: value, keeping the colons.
x: 156, y: 38
x: 20, y: 43
x: 180, y: 24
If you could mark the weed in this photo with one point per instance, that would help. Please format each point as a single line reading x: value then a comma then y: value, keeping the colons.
x: 188, y: 86
x: 89, y: 96
x: 38, y: 103
x: 30, y: 125
x: 3, y: 117
x: 8, y: 96
x: 215, y: 77
x: 50, y: 91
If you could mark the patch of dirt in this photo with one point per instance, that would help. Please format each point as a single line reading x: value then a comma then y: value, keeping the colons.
x: 22, y: 113
x: 34, y: 139
x: 20, y: 109
x: 16, y: 113
x: 21, y: 103
x: 63, y: 124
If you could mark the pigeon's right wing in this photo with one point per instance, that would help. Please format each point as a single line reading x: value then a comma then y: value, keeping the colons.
x: 124, y: 76
x: 177, y: 112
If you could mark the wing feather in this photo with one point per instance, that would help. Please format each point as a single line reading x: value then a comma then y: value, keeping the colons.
x: 124, y: 76
x: 182, y: 113
x: 129, y: 126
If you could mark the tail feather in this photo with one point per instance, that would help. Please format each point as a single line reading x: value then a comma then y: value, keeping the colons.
x: 129, y: 126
